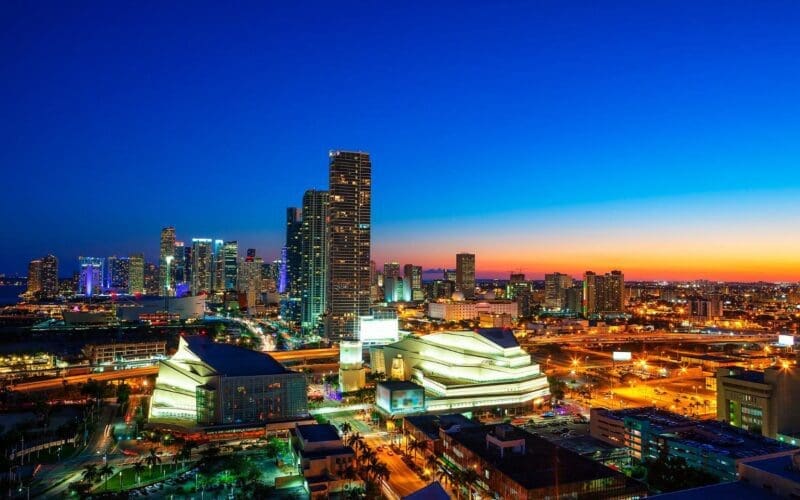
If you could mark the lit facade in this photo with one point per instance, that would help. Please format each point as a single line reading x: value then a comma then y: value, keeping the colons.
x: 465, y: 274
x: 314, y: 262
x: 349, y: 230
x: 202, y: 257
x: 208, y: 383
x: 603, y: 294
x: 465, y: 370
x: 468, y: 310
x: 166, y: 254
x: 118, y: 274
x: 136, y: 274
x: 230, y: 250
x: 90, y: 280
x: 555, y: 290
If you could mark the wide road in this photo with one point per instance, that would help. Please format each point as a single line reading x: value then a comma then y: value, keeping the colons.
x: 647, y: 337
x: 402, y: 480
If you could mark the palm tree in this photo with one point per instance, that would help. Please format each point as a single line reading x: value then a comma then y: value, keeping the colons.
x: 152, y: 459
x: 106, y: 471
x: 90, y: 473
x: 345, y: 427
x: 355, y: 441
x: 430, y: 464
x: 466, y: 478
x: 349, y: 473
x: 380, y: 471
x: 138, y: 467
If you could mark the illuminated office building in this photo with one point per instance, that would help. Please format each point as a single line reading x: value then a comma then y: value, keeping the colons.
x: 180, y: 276
x: 458, y: 310
x: 202, y: 256
x: 349, y: 229
x: 166, y: 253
x: 314, y: 261
x: 465, y: 274
x: 413, y: 281
x: 230, y: 250
x: 207, y: 383
x: 555, y: 290
x: 136, y: 274
x: 43, y: 278
x: 90, y: 281
x: 467, y: 370
x: 294, y: 252
x: 118, y: 274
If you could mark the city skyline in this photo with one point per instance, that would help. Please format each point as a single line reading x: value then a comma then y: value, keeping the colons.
x: 656, y: 140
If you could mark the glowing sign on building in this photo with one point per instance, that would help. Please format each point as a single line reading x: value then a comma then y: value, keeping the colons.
x: 621, y: 356
x: 378, y: 331
x: 786, y: 340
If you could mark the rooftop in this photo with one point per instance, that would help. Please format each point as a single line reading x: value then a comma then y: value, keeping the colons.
x: 430, y: 424
x: 542, y: 464
x: 503, y: 337
x: 433, y: 491
x: 747, y: 376
x: 316, y: 433
x: 777, y: 466
x: 399, y: 385
x: 231, y: 360
x: 737, y: 490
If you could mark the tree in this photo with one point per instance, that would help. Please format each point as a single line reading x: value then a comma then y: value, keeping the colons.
x: 138, y: 468
x: 430, y: 463
x: 152, y: 458
x: 90, y: 473
x: 556, y: 387
x: 123, y: 394
x: 106, y: 472
x: 345, y: 428
x: 667, y: 474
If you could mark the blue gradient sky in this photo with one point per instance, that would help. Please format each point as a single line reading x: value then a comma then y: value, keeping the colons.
x: 542, y: 135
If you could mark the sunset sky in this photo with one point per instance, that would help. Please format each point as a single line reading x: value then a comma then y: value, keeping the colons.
x: 660, y: 138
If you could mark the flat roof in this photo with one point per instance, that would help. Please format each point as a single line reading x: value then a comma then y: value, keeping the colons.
x: 747, y: 376
x: 233, y: 361
x: 430, y: 424
x: 399, y: 385
x: 778, y: 466
x: 737, y: 490
x: 433, y: 491
x: 315, y: 433
x: 542, y: 464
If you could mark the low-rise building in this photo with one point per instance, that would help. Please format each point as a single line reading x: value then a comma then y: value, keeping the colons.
x: 125, y: 352
x: 762, y: 402
x: 711, y: 446
x: 458, y: 310
x: 513, y: 464
x: 323, y: 458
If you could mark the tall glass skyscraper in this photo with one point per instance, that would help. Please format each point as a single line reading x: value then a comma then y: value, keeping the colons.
x: 349, y: 229
x: 231, y: 255
x: 90, y: 281
x: 136, y: 274
x: 167, y: 250
x: 202, y: 257
x: 314, y: 262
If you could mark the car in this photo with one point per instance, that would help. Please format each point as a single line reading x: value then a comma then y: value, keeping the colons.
x: 390, y: 453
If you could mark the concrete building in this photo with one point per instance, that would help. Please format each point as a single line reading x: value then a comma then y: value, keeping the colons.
x: 761, y: 402
x: 713, y: 447
x: 206, y: 383
x: 458, y: 310
x: 603, y: 294
x: 165, y: 256
x: 323, y: 458
x: 123, y: 353
x: 555, y: 290
x: 314, y: 263
x: 513, y: 464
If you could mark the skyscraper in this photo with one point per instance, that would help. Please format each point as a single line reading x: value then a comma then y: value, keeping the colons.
x: 218, y: 266
x: 231, y: 256
x: 349, y: 230
x: 413, y: 280
x: 178, y: 267
x: 465, y: 274
x: 167, y: 252
x: 90, y: 281
x: 251, y: 254
x: 34, y: 278
x: 314, y: 262
x: 43, y: 278
x: 202, y: 257
x: 603, y: 294
x: 555, y: 290
x: 136, y: 274
x: 294, y: 253
x: 118, y: 274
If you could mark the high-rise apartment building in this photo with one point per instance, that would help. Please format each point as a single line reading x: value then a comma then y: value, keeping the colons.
x: 251, y: 254
x: 314, y: 260
x: 166, y: 254
x: 603, y: 294
x: 349, y: 230
x: 136, y: 274
x: 179, y: 264
x: 555, y: 290
x: 34, y: 278
x: 202, y: 257
x: 465, y: 274
x: 231, y: 257
x: 90, y: 281
x: 391, y: 270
